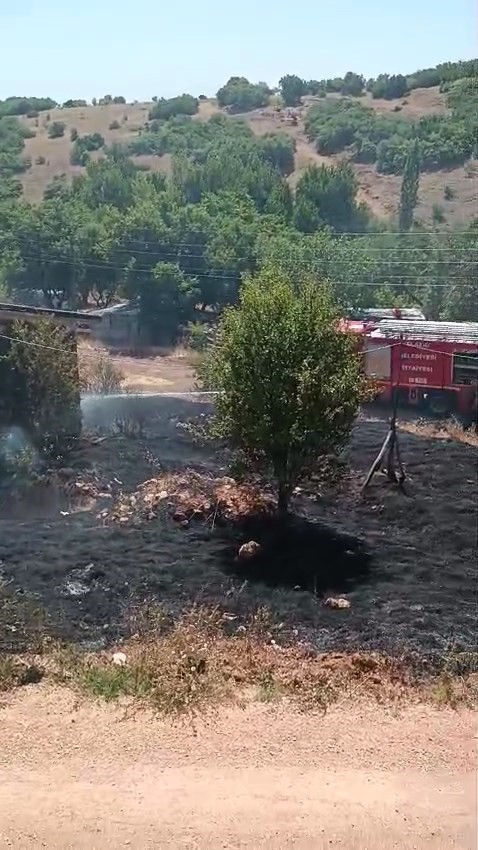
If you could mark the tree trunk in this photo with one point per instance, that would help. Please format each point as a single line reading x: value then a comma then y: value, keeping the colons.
x: 283, y: 499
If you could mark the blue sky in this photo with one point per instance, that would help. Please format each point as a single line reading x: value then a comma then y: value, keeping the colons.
x: 146, y: 48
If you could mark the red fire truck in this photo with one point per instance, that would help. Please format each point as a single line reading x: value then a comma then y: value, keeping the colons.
x: 432, y: 366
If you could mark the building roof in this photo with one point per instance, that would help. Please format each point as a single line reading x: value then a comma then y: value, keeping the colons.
x: 115, y: 309
x: 27, y: 310
x: 379, y: 313
x: 464, y: 332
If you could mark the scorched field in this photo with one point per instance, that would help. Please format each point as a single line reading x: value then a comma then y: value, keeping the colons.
x: 82, y: 552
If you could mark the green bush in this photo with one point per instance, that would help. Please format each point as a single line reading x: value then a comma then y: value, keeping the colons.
x: 241, y: 96
x: 164, y: 108
x: 56, y: 130
x: 83, y: 146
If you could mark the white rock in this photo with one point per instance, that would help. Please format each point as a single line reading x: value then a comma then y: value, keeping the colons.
x: 119, y: 658
x: 249, y: 550
x: 337, y: 602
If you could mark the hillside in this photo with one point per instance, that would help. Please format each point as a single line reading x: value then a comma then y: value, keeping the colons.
x: 50, y: 157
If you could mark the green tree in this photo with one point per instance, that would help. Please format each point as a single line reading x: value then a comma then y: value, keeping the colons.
x: 40, y: 384
x: 240, y: 95
x: 328, y: 196
x: 166, y: 301
x: 292, y: 89
x: 289, y: 383
x: 409, y: 189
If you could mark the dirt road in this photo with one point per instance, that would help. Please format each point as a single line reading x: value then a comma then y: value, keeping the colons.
x: 85, y: 778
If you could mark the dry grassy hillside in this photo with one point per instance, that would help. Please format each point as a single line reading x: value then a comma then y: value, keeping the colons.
x: 380, y: 192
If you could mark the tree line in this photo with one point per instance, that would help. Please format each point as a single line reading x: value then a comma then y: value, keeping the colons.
x: 444, y: 140
x: 181, y: 244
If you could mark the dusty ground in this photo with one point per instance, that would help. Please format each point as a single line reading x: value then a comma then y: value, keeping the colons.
x: 380, y: 192
x: 85, y: 778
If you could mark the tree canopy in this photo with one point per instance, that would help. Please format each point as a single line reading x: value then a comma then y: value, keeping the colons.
x: 289, y: 383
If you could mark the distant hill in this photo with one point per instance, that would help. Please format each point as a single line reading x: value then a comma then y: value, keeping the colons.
x: 447, y: 195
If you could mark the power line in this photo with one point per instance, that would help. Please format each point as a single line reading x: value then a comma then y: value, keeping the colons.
x: 364, y: 351
x: 218, y: 273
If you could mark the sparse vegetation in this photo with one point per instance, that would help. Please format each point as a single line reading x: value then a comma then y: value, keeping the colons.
x: 100, y: 375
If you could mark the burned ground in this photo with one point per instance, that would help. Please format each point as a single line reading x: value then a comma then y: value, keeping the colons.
x: 406, y: 563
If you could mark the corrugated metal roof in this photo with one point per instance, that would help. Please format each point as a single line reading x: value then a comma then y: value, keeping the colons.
x: 379, y: 313
x: 440, y: 331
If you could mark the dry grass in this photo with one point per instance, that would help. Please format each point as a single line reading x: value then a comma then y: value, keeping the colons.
x: 380, y: 192
x: 190, y: 495
x: 204, y: 659
x: 451, y: 430
x: 149, y: 370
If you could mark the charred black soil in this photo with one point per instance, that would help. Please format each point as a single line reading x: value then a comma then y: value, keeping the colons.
x: 406, y: 563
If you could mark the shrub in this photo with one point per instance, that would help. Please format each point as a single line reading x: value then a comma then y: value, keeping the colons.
x: 100, y: 375
x: 241, y: 96
x: 448, y: 193
x: 438, y: 215
x: 56, y: 130
x: 83, y: 145
x: 73, y: 134
x: 164, y: 108
x: 39, y: 379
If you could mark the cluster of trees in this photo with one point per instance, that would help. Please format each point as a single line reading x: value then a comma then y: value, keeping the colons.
x: 239, y: 95
x: 12, y: 142
x: 386, y: 140
x: 82, y: 147
x: 166, y: 108
x: 25, y: 105
x: 181, y: 244
x: 388, y: 86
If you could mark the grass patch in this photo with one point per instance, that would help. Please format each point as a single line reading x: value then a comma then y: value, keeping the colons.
x: 451, y: 430
x: 204, y: 659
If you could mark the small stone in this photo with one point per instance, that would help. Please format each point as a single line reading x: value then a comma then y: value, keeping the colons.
x: 337, y: 602
x: 119, y: 658
x: 249, y: 550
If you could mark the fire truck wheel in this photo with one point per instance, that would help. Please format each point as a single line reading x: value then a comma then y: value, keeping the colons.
x: 440, y: 403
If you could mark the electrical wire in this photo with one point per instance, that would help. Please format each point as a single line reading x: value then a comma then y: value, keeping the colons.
x: 364, y: 351
x: 218, y: 273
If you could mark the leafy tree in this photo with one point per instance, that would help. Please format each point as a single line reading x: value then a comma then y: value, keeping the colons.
x: 39, y: 372
x: 389, y: 87
x: 353, y: 84
x: 241, y: 96
x: 292, y: 89
x: 83, y: 145
x: 327, y: 196
x: 289, y: 383
x: 73, y: 104
x: 56, y: 130
x: 24, y: 105
x: 163, y: 109
x: 166, y: 301
x: 409, y: 189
